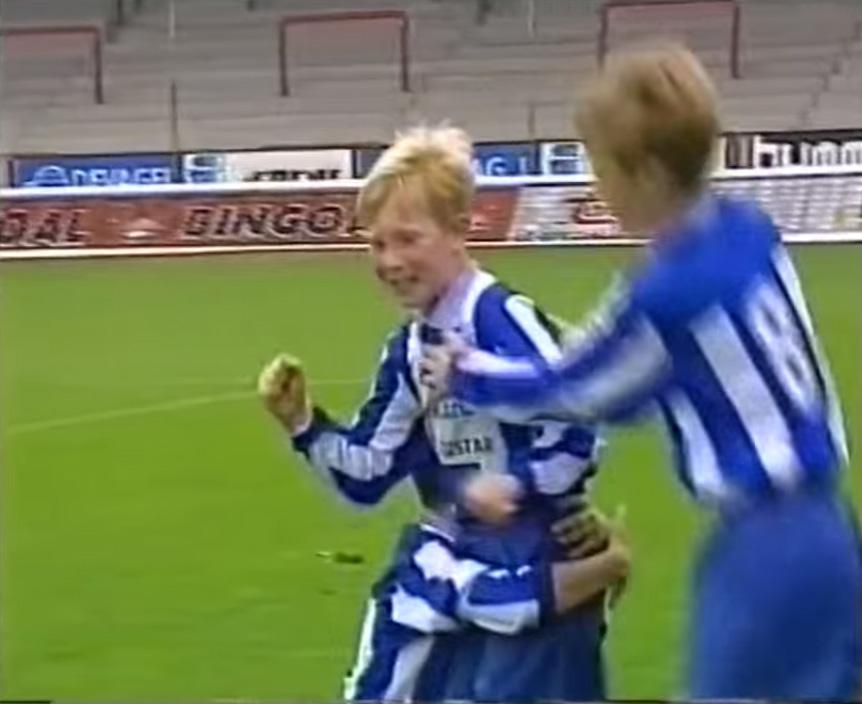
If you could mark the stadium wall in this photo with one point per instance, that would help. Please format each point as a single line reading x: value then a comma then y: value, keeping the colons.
x: 810, y: 204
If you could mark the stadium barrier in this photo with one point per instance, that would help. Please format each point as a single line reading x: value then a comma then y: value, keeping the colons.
x: 808, y: 204
x: 824, y: 149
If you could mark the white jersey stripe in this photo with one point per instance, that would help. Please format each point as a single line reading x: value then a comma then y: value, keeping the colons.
x: 700, y: 455
x: 364, y: 653
x: 790, y: 280
x: 408, y: 667
x: 506, y: 619
x: 332, y: 452
x: 437, y: 562
x: 524, y: 314
x: 415, y: 612
x: 558, y: 473
x: 397, y: 420
x: 742, y: 382
x: 639, y: 361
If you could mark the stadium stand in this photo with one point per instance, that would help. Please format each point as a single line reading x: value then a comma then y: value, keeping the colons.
x: 206, y: 73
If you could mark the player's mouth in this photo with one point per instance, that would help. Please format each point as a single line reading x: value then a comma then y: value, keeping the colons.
x: 403, y: 287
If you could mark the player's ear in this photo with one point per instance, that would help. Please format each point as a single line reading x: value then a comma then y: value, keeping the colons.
x: 462, y: 224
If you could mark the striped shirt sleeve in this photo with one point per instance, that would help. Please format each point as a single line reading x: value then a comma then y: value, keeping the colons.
x: 610, y: 369
x: 368, y: 457
x: 561, y: 454
x: 438, y: 590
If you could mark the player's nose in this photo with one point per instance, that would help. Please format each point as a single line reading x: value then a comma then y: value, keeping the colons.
x: 388, y: 262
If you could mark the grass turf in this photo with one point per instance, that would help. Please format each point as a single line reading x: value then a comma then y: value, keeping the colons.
x: 158, y: 540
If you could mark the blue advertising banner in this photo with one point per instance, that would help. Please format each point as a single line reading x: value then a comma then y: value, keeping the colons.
x: 492, y: 159
x: 129, y: 169
x: 505, y: 159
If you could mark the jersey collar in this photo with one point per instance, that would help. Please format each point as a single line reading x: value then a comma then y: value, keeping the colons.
x: 447, y: 312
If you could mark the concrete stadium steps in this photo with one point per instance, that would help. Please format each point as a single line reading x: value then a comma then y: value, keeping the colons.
x: 500, y: 123
x: 144, y: 135
x: 846, y: 108
x: 801, y: 64
x: 281, y: 129
x: 13, y: 12
x: 833, y: 118
x: 554, y: 120
x: 394, y: 104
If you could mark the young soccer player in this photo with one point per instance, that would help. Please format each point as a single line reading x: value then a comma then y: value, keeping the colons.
x: 452, y: 570
x: 711, y: 331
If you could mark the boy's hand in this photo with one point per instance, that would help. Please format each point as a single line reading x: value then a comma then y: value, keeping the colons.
x: 583, y: 532
x: 282, y: 388
x: 492, y: 498
x: 438, y: 361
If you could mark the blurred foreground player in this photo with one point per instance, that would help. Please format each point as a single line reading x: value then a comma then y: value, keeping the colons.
x: 482, y: 555
x: 711, y: 331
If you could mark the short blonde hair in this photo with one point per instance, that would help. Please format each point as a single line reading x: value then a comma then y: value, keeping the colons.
x: 437, y: 159
x: 654, y: 102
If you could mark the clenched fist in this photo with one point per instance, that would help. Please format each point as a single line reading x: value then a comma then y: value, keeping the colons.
x: 282, y: 389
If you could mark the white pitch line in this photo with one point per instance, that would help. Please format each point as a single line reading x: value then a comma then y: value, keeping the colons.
x: 84, y: 418
x: 133, y: 411
x: 248, y: 382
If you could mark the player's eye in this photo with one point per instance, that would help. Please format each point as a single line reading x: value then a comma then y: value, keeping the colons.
x: 407, y: 238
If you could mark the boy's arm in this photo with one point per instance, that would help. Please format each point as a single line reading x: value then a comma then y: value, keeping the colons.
x: 553, y: 588
x: 439, y: 591
x: 364, y: 460
x: 610, y: 370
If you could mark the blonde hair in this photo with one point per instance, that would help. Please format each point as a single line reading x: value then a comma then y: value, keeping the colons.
x: 654, y: 102
x: 436, y: 159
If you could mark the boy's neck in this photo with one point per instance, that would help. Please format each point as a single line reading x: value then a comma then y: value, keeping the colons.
x: 463, y: 265
x: 664, y: 224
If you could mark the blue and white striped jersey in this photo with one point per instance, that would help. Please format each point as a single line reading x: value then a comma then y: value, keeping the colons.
x: 398, y: 432
x: 714, y: 332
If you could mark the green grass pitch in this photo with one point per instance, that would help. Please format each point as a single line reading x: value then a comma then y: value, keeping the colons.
x: 159, y: 541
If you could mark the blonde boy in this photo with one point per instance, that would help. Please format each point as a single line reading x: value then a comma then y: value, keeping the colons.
x: 481, y: 554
